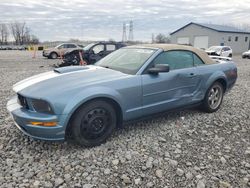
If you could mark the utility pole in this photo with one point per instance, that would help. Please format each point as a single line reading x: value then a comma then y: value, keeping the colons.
x: 131, y: 35
x: 124, y: 35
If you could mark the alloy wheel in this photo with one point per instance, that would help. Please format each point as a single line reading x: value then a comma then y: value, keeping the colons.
x: 215, y: 96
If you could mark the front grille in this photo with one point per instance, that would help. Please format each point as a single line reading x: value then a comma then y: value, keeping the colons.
x: 22, y: 101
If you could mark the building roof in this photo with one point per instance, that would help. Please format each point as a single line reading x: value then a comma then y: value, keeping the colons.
x: 167, y: 47
x: 215, y: 27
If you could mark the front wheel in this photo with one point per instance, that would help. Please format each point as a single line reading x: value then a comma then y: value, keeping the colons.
x: 53, y: 55
x: 93, y: 123
x: 213, y: 98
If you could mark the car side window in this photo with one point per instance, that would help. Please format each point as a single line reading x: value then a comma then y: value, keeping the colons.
x: 176, y: 59
x: 197, y: 60
x: 110, y: 47
x: 98, y: 48
x: 71, y: 46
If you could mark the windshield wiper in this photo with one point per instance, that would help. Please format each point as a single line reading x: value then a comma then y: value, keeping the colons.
x: 107, y: 67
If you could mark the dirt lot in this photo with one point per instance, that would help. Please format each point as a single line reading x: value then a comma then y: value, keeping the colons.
x: 179, y: 149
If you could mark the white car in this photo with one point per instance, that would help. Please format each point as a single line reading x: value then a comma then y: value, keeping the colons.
x: 224, y: 51
x: 246, y: 54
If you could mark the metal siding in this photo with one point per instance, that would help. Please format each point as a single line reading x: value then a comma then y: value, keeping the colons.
x: 183, y: 40
x: 237, y: 46
x: 215, y: 38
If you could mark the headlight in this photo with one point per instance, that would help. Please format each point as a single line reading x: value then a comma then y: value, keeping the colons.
x: 41, y: 106
x: 218, y: 52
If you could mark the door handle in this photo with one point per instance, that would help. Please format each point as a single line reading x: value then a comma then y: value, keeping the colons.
x: 191, y: 75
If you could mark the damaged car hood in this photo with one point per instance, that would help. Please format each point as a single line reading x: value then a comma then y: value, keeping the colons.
x: 65, y: 79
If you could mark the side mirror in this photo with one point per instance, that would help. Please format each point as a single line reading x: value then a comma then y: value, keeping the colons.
x: 159, y: 68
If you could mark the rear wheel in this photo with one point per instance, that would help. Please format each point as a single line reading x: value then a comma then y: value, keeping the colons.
x: 213, y: 98
x: 93, y: 123
x: 230, y: 55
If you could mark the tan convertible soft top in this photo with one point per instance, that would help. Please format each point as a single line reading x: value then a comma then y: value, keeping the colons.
x: 166, y: 47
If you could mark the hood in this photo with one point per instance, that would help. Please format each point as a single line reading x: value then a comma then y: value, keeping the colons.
x: 66, y: 79
x: 247, y: 52
x: 49, y: 49
x: 211, y: 51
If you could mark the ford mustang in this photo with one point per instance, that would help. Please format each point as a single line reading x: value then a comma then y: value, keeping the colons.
x: 88, y: 102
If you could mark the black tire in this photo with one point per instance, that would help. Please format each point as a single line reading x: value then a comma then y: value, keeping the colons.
x: 230, y: 55
x: 93, y: 123
x: 208, y: 105
x: 53, y: 55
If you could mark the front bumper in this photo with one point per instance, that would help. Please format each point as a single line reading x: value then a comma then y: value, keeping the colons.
x: 212, y: 53
x: 45, y: 54
x: 245, y: 55
x: 22, y: 117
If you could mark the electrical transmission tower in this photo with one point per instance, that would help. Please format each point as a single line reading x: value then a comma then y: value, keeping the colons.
x: 131, y: 35
x: 124, y: 35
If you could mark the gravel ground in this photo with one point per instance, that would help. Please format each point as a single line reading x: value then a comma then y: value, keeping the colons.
x: 179, y: 149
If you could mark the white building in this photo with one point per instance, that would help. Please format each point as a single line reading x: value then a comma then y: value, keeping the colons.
x: 206, y: 35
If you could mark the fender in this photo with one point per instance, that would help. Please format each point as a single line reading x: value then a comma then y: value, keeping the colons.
x: 215, y: 76
x: 89, y: 94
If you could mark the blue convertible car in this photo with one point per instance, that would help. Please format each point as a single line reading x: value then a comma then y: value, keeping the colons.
x: 88, y: 102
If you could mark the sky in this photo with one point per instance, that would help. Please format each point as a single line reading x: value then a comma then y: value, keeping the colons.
x: 53, y: 20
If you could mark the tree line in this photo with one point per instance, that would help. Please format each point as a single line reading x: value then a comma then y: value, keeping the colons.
x: 19, y: 31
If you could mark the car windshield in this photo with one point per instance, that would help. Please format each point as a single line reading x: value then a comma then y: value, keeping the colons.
x: 59, y: 46
x: 126, y: 60
x: 215, y: 48
x: 88, y: 46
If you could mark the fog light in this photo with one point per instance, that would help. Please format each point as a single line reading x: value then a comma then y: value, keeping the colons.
x: 46, y: 124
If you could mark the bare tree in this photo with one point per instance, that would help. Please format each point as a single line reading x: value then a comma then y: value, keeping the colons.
x: 26, y: 38
x: 19, y: 29
x: 34, y: 39
x: 161, y: 38
x: 4, y: 34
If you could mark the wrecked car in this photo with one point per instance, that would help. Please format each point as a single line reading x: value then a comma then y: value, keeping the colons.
x: 87, y: 103
x: 90, y: 54
x: 53, y: 53
x: 224, y: 51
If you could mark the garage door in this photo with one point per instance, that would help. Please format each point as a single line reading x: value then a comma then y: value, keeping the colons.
x: 183, y: 40
x: 201, y: 42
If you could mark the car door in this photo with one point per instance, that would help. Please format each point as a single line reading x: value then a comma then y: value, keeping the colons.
x: 170, y: 89
x: 225, y: 52
x: 60, y: 49
x: 96, y: 53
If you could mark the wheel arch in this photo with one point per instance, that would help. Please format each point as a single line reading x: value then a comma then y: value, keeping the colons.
x: 218, y: 76
x: 223, y: 82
